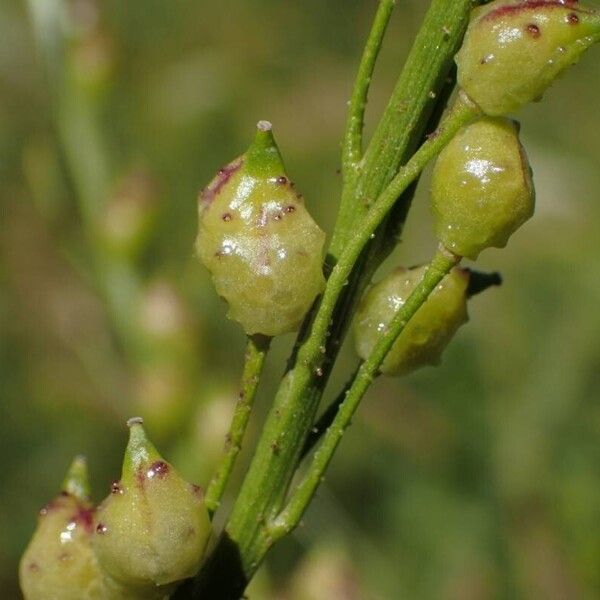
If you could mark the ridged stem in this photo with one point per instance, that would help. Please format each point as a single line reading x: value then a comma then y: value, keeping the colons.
x: 256, y: 351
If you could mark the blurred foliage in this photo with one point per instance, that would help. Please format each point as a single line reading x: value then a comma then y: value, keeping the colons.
x: 477, y: 479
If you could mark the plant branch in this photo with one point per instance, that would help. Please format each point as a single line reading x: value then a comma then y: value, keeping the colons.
x: 352, y: 145
x: 256, y: 351
x: 398, y: 134
x: 293, y: 411
x: 245, y: 539
x: 463, y: 112
x: 289, y: 518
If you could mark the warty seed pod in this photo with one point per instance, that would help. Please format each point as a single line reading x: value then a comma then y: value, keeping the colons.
x: 481, y: 187
x: 428, y: 332
x: 514, y: 50
x: 260, y: 244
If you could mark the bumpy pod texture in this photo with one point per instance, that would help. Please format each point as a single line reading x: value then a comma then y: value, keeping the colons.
x: 259, y: 242
x: 153, y: 529
x: 59, y: 563
x: 482, y: 190
x: 426, y: 334
x: 513, y: 51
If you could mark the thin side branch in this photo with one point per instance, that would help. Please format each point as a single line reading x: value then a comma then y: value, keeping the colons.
x: 256, y: 351
x: 353, y: 135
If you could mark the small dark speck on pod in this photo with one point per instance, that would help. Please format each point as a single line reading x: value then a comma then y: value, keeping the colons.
x: 281, y: 180
x: 573, y: 19
x: 101, y: 528
x: 533, y: 30
x: 227, y: 217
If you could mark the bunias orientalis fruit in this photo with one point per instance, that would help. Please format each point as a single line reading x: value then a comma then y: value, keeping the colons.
x: 153, y: 529
x: 59, y: 563
x: 429, y: 331
x: 260, y: 244
x: 481, y: 190
x: 512, y: 51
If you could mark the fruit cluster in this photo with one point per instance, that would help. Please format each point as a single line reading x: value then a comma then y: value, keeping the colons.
x: 482, y: 189
x: 265, y: 254
x: 151, y: 531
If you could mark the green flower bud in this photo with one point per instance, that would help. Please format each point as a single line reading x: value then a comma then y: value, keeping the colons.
x: 513, y: 50
x: 427, y: 333
x: 259, y: 242
x: 153, y: 529
x: 59, y: 563
x: 481, y: 190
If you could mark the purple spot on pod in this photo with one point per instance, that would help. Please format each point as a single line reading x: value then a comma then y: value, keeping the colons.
x: 573, y: 19
x: 158, y: 469
x: 101, y: 529
x: 227, y: 217
x: 533, y: 30
x: 528, y: 5
x: 281, y: 180
x: 223, y: 176
x: 115, y: 487
x: 85, y: 518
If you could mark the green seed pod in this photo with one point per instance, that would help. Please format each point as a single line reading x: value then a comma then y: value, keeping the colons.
x: 513, y: 50
x: 426, y: 334
x: 259, y: 242
x: 59, y: 563
x: 481, y: 188
x: 153, y: 529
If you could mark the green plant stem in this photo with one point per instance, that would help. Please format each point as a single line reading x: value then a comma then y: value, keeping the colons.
x: 352, y: 145
x: 256, y: 351
x: 325, y: 420
x: 420, y: 93
x: 398, y: 134
x: 289, y: 518
x: 293, y: 412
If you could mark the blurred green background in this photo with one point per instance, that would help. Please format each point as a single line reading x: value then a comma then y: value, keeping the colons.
x: 478, y: 479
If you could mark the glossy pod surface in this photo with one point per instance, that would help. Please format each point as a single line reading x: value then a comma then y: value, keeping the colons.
x: 426, y: 334
x: 153, y: 528
x: 481, y: 190
x: 512, y: 51
x: 259, y: 242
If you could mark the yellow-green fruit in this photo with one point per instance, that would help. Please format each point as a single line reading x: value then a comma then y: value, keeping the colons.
x: 512, y: 51
x: 59, y: 563
x: 262, y: 247
x: 426, y: 334
x: 481, y: 190
x: 153, y: 529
